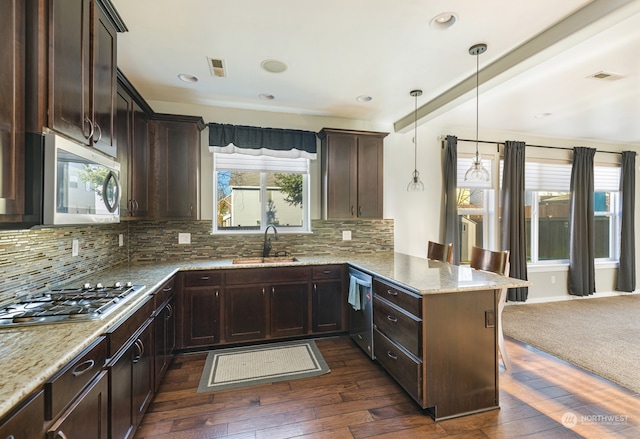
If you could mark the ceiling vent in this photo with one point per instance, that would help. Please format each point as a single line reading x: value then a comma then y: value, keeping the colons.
x: 216, y: 65
x: 607, y: 76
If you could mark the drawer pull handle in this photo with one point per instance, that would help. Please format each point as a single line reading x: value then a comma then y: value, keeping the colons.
x: 391, y: 355
x: 204, y: 277
x: 392, y: 293
x: 392, y: 319
x: 167, y: 289
x: 326, y: 272
x: 359, y: 336
x: 83, y: 368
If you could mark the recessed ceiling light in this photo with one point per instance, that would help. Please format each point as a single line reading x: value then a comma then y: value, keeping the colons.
x: 443, y: 20
x: 273, y: 66
x: 186, y: 77
x: 266, y: 96
x: 364, y: 98
x: 542, y: 115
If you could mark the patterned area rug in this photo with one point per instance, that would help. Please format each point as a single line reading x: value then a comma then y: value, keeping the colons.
x: 246, y: 366
x: 597, y: 334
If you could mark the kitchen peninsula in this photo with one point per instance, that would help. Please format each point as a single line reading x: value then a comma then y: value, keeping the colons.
x: 449, y: 296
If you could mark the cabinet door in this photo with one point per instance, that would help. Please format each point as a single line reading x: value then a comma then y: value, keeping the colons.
x: 288, y: 309
x: 142, y: 373
x: 370, y: 177
x: 339, y: 171
x: 69, y: 76
x: 200, y: 316
x: 121, y: 395
x: 123, y: 144
x: 27, y: 422
x: 176, y: 169
x: 327, y: 306
x: 164, y: 328
x: 139, y: 166
x: 87, y: 417
x: 245, y: 314
x: 12, y: 112
x: 103, y: 69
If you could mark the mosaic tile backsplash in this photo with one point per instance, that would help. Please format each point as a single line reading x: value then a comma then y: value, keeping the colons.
x: 31, y: 260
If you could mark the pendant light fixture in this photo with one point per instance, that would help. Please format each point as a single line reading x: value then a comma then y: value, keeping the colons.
x: 415, y: 185
x: 477, y: 172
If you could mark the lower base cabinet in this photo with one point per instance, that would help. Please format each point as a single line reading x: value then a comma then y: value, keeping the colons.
x: 27, y: 421
x: 88, y: 416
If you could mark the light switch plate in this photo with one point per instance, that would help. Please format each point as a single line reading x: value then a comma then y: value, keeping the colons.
x: 120, y: 240
x: 184, y: 238
x: 75, y: 247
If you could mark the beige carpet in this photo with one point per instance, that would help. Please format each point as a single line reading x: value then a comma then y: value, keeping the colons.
x: 601, y: 335
x: 244, y: 366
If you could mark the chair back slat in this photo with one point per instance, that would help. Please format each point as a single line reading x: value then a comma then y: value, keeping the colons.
x: 440, y: 252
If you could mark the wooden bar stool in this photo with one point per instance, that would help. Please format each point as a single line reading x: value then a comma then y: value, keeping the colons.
x: 440, y: 252
x: 496, y: 262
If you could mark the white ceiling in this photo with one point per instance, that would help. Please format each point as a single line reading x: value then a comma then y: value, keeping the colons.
x: 337, y: 50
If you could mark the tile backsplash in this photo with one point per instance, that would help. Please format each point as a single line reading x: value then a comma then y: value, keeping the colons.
x: 30, y: 260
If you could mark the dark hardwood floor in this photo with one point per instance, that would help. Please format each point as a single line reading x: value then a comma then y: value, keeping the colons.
x: 357, y: 399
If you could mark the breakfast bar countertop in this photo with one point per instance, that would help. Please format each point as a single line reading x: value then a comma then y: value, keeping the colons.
x: 30, y: 355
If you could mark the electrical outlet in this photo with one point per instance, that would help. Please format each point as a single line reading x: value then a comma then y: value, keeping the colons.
x: 75, y: 247
x: 120, y: 240
x: 346, y: 235
x: 184, y: 238
x: 553, y: 279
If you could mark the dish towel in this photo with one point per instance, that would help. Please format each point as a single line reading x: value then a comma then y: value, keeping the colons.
x: 354, y: 294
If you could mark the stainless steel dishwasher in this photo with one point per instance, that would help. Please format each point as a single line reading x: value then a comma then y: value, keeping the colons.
x: 361, y: 310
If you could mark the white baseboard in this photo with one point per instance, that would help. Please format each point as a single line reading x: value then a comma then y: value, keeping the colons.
x: 570, y: 297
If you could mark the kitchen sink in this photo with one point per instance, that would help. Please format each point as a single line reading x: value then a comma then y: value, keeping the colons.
x: 268, y: 260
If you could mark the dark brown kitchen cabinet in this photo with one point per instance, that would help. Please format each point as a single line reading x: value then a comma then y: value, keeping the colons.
x: 27, y: 421
x: 133, y: 150
x: 175, y: 166
x: 329, y: 298
x: 131, y: 377
x: 88, y: 417
x: 82, y: 72
x: 165, y: 329
x: 199, y: 309
x: 265, y: 303
x: 352, y: 173
x: 288, y: 309
x: 12, y: 111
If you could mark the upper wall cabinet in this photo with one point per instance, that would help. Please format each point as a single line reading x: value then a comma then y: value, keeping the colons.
x: 352, y: 173
x: 175, y: 166
x: 82, y: 78
x: 12, y: 115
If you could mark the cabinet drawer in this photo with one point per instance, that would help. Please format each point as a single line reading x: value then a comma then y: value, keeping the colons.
x: 69, y: 382
x: 404, y: 299
x: 164, y: 292
x: 327, y: 272
x: 202, y: 278
x: 398, y: 326
x: 244, y: 276
x: 406, y: 370
x: 118, y: 335
x: 27, y: 422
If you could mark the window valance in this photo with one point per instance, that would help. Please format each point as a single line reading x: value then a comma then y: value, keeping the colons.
x: 275, y: 142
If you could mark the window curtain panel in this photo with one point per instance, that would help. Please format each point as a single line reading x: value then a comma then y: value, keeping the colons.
x: 626, y: 280
x: 274, y: 142
x: 581, y: 224
x: 450, y: 173
x: 512, y: 223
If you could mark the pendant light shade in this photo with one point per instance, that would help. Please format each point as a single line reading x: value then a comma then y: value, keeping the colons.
x: 477, y: 172
x: 415, y: 185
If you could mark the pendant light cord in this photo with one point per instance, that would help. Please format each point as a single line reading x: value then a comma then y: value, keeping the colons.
x: 415, y: 134
x: 477, y: 101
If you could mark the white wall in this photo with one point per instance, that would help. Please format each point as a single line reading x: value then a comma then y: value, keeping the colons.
x: 416, y: 215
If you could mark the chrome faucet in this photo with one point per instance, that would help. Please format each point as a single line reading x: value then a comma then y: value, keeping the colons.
x: 266, y: 246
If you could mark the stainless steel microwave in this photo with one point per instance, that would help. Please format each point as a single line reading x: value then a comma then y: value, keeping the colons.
x: 81, y: 185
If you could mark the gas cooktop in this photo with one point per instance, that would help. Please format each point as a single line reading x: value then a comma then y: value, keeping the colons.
x: 67, y: 305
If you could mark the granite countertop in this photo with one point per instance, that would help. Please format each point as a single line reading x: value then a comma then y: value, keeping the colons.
x: 30, y: 355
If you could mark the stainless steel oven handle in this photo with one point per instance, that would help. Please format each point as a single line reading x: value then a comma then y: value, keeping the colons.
x: 83, y: 368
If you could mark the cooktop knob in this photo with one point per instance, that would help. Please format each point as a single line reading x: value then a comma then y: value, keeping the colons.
x: 99, y: 285
x: 129, y: 284
x: 117, y: 285
x: 86, y: 286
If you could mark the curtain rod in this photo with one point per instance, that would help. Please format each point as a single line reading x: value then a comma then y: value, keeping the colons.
x: 528, y: 144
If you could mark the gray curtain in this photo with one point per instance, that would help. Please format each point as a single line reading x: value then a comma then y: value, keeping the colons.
x: 450, y: 172
x: 627, y: 269
x: 258, y: 138
x: 512, y: 223
x: 581, y: 224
